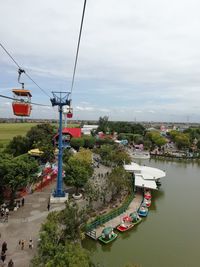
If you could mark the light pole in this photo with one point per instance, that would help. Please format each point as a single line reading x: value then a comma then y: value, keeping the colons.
x: 60, y: 99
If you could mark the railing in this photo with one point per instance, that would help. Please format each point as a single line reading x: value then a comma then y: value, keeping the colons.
x: 107, y: 217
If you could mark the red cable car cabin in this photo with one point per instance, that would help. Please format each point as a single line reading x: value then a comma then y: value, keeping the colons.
x: 21, y: 106
x: 70, y: 113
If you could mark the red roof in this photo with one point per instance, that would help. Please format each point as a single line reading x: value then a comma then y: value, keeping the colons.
x: 74, y: 132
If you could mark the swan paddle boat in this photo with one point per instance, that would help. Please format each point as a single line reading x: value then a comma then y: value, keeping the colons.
x: 146, y: 202
x: 147, y: 194
x: 143, y: 211
x: 107, y: 235
x: 126, y: 224
x: 135, y: 218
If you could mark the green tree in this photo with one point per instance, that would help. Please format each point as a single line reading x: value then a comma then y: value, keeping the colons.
x: 76, y: 143
x: 103, y: 125
x: 92, y: 192
x: 74, y: 219
x: 48, y: 151
x: 121, y: 157
x: 84, y: 155
x: 119, y: 181
x: 77, y: 173
x: 18, y: 173
x: 71, y: 255
x: 18, y: 145
x: 67, y: 154
x: 60, y: 239
x: 89, y: 141
x: 182, y: 140
x: 41, y: 133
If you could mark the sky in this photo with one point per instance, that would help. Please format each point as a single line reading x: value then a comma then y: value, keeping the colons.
x: 138, y: 60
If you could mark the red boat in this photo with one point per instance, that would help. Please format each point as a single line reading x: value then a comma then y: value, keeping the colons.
x: 147, y: 202
x: 147, y: 195
x: 21, y: 105
x: 126, y: 224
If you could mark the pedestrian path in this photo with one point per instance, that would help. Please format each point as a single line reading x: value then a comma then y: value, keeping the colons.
x: 24, y: 224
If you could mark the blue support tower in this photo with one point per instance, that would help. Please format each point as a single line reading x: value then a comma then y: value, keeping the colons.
x: 60, y: 99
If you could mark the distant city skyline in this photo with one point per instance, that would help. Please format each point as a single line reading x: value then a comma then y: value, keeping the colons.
x: 138, y: 60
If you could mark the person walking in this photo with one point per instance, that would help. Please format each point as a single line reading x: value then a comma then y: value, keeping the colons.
x: 10, y: 263
x: 4, y: 247
x: 48, y: 206
x: 3, y: 256
x: 22, y: 244
x: 30, y: 243
x: 23, y: 200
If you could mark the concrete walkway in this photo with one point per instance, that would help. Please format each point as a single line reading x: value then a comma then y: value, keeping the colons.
x: 25, y: 223
x: 134, y: 205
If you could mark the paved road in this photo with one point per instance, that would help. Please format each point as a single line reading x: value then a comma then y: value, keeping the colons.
x: 24, y: 224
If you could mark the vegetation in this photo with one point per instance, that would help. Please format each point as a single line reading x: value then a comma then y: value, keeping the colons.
x: 85, y: 141
x: 119, y: 181
x: 78, y: 169
x: 120, y: 127
x: 10, y: 130
x: 60, y: 240
x: 113, y: 155
x: 182, y: 140
x: 155, y: 138
x: 16, y: 173
x: 39, y: 136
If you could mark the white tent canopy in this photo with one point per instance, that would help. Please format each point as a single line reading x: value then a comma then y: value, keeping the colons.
x: 145, y: 176
x: 148, y: 173
x: 140, y: 182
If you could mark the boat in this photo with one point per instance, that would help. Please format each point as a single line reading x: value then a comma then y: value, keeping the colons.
x: 135, y: 218
x: 138, y: 154
x: 147, y: 194
x: 143, y: 211
x: 147, y: 202
x: 126, y: 224
x: 107, y: 235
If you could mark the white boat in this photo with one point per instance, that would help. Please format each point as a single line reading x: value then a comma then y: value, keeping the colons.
x: 141, y: 155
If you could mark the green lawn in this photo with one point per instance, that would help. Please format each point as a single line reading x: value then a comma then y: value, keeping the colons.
x: 9, y: 130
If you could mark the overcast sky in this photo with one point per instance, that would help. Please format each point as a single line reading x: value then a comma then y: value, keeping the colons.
x: 138, y: 60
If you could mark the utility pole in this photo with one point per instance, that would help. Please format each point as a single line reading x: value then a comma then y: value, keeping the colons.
x: 60, y: 99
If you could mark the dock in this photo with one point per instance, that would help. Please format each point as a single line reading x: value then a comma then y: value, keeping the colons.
x: 134, y: 205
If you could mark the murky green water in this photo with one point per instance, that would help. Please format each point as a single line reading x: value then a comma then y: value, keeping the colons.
x: 170, y: 235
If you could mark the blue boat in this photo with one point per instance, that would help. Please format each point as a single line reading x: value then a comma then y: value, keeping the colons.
x: 143, y: 211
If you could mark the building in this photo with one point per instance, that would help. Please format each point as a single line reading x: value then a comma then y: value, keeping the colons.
x: 67, y: 134
x: 86, y: 130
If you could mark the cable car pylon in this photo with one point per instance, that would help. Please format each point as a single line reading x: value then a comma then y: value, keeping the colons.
x: 60, y: 99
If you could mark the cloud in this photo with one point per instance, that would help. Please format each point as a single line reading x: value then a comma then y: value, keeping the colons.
x: 138, y: 56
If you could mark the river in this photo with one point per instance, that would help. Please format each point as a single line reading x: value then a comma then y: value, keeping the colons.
x: 170, y: 235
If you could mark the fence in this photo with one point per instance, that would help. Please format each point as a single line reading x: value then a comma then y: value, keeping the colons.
x: 107, y: 217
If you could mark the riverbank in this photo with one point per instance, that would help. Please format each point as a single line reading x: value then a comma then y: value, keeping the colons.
x: 170, y: 157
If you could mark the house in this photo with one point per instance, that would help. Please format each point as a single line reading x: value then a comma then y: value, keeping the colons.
x: 67, y: 134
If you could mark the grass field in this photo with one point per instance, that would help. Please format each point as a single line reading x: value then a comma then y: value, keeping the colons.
x: 9, y: 130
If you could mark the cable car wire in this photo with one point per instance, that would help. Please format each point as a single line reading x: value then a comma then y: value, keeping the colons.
x: 23, y: 70
x: 77, y: 51
x: 8, y: 97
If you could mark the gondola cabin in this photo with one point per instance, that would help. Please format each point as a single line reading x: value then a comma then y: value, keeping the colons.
x: 70, y: 113
x: 21, y: 105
